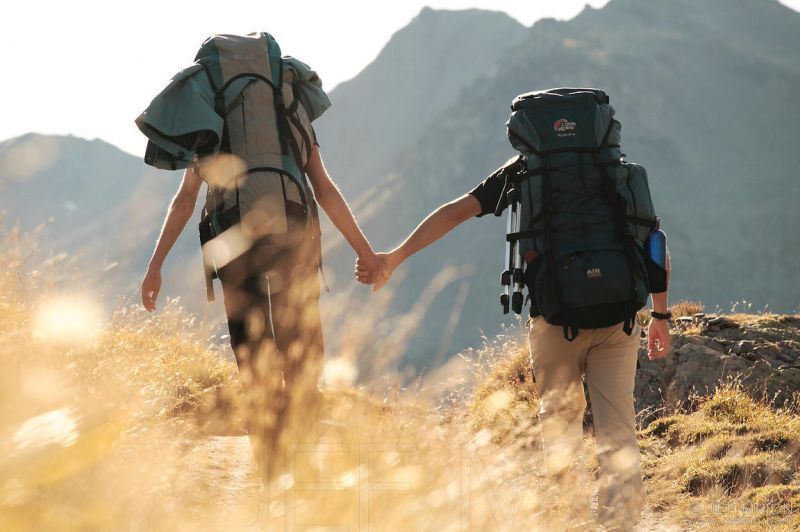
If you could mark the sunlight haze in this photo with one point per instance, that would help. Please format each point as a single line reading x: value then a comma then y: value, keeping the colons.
x: 90, y: 68
x: 600, y: 333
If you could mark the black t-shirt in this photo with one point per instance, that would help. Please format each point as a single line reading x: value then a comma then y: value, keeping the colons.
x: 489, y: 193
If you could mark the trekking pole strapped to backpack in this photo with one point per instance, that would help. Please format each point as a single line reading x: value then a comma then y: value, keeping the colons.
x: 512, y: 276
x: 578, y: 213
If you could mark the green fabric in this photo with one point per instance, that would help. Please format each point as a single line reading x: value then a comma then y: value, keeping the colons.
x: 178, y: 115
x: 182, y: 117
x: 209, y: 55
x: 274, y: 57
x: 562, y: 120
x: 181, y: 120
x: 308, y: 86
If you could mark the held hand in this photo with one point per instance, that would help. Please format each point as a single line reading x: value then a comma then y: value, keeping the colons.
x: 389, y: 261
x: 368, y: 268
x: 658, y: 339
x: 151, y: 285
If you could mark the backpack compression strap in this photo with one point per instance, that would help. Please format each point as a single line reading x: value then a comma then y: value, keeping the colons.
x: 285, y: 135
x: 618, y: 208
x: 286, y: 139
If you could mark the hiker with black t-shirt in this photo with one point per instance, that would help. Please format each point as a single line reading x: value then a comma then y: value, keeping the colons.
x: 588, y: 238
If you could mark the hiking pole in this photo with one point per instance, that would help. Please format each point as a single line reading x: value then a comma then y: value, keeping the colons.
x: 505, y: 277
x: 515, y: 259
x: 511, y: 278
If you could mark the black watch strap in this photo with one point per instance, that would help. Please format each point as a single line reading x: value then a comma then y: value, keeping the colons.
x: 661, y: 316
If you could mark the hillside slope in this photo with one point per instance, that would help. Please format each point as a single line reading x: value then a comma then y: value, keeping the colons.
x: 100, y: 205
x: 130, y: 420
x: 421, y: 70
x: 703, y: 91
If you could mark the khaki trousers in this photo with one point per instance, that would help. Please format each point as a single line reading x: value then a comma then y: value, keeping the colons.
x: 607, y: 358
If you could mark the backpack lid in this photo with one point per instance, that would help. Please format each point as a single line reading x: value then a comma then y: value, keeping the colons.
x: 561, y: 120
x: 254, y: 53
x: 182, y: 120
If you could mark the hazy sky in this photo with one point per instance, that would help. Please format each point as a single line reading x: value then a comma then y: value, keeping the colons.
x: 90, y: 67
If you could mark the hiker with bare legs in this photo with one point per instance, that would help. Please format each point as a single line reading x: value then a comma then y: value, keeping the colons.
x: 239, y: 119
x: 584, y: 240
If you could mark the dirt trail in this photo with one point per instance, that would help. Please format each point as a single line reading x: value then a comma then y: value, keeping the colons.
x: 227, y: 481
x: 228, y: 487
x: 652, y: 521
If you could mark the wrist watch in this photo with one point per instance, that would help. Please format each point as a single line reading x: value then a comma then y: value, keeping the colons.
x: 661, y: 315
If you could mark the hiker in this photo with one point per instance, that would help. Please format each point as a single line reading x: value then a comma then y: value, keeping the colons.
x: 586, y: 220
x: 239, y: 119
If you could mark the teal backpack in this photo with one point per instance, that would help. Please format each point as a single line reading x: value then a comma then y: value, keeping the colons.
x: 579, y: 215
x: 241, y: 115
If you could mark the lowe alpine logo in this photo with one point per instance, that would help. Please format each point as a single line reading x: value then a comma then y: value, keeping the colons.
x: 564, y: 128
x: 593, y: 273
x: 562, y: 125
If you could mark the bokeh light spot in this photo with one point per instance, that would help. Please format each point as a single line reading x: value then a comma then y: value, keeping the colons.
x: 69, y: 320
x: 57, y: 427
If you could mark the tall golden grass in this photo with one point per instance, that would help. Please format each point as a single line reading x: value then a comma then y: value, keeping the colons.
x: 119, y: 419
x: 123, y: 420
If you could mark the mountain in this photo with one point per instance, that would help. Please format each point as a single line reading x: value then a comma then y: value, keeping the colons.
x: 420, y: 71
x: 704, y: 91
x: 109, y: 206
x: 101, y: 204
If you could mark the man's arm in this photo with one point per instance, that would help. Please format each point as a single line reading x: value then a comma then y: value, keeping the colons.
x: 180, y: 210
x: 437, y: 224
x: 333, y: 203
x: 658, y: 339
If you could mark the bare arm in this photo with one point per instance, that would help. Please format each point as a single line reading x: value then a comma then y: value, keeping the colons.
x: 180, y: 210
x: 437, y: 224
x: 335, y: 206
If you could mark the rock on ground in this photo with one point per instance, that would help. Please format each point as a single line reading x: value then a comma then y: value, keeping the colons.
x: 761, y: 353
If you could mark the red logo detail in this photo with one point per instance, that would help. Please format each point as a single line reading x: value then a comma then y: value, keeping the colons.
x: 562, y: 125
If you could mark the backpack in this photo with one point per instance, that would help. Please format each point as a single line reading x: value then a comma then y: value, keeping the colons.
x: 579, y: 213
x: 269, y: 134
x: 242, y: 115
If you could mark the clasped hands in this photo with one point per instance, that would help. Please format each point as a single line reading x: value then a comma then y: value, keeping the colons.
x: 376, y: 269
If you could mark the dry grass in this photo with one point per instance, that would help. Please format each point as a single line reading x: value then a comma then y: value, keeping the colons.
x: 686, y: 308
x: 732, y: 461
x: 772, y: 327
x: 505, y: 402
x: 95, y: 408
x: 679, y: 310
x: 125, y: 420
